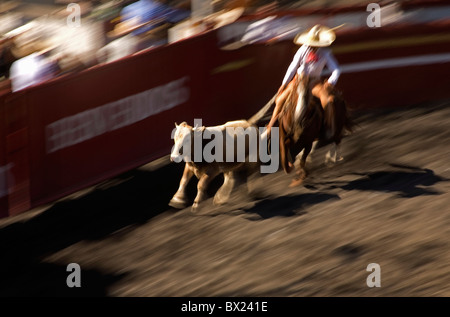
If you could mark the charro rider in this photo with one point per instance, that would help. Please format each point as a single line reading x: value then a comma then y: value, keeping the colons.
x: 310, y: 60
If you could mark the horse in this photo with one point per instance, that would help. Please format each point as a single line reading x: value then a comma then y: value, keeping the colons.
x: 300, y: 124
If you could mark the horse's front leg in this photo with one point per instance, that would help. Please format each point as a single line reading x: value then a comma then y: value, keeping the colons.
x: 179, y: 200
x: 301, y: 173
x: 202, y: 186
x: 313, y: 149
x: 285, y: 145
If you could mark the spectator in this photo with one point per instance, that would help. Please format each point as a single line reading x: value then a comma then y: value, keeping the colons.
x: 36, y: 65
x: 143, y: 24
x: 149, y: 17
x: 6, y: 56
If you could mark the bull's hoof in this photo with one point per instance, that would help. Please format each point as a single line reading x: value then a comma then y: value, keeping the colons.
x: 218, y: 200
x: 195, y: 207
x: 177, y: 203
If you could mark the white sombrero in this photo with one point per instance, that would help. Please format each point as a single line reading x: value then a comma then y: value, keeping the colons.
x: 317, y: 36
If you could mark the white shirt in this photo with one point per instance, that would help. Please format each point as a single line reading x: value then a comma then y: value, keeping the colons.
x: 30, y: 70
x: 312, y: 64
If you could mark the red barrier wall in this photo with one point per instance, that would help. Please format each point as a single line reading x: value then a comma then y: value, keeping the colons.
x: 397, y: 85
x: 3, y: 162
x: 83, y: 128
x: 114, y: 149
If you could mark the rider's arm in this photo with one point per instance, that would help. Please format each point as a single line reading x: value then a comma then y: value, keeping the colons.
x: 333, y: 66
x: 292, y: 69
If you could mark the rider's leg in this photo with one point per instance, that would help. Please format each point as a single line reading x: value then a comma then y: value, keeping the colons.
x: 279, y: 101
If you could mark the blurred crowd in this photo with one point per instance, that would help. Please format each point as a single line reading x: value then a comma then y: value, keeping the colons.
x: 70, y: 35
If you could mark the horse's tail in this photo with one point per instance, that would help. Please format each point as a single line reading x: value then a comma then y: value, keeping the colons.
x: 259, y: 116
x: 349, y: 124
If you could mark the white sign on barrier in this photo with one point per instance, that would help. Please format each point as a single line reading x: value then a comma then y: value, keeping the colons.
x: 91, y: 123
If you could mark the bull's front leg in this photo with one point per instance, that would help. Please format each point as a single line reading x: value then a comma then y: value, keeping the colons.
x: 202, y: 186
x: 179, y: 200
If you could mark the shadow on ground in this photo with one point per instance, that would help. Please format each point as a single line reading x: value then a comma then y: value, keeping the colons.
x: 120, y: 204
x: 405, y: 181
x: 287, y: 206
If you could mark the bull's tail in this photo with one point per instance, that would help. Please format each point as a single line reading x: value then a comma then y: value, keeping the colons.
x: 259, y: 116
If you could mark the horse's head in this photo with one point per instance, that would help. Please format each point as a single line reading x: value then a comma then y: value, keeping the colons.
x: 181, y: 136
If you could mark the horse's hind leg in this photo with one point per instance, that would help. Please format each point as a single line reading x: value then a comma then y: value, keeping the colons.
x: 338, y: 155
x: 179, y: 200
x: 334, y: 156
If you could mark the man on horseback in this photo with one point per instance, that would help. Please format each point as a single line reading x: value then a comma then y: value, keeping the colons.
x: 310, y: 59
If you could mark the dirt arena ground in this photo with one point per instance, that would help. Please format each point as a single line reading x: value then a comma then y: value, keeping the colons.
x: 387, y: 203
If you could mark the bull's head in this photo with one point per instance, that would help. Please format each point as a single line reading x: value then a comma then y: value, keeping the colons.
x: 182, y: 135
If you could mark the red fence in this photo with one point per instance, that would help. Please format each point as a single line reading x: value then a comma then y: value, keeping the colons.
x: 83, y: 128
x: 396, y: 65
